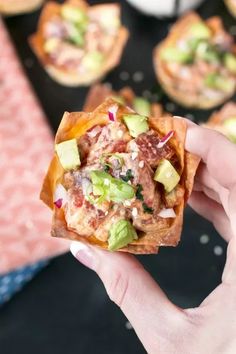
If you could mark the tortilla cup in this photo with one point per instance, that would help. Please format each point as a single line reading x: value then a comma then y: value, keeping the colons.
x: 74, y: 125
x: 184, y: 98
x: 231, y: 5
x: 16, y: 7
x: 60, y: 74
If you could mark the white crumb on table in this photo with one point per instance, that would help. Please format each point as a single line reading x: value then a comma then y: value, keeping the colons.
x: 124, y: 76
x: 128, y: 325
x: 204, y: 239
x: 218, y: 250
x: 170, y: 107
x: 138, y: 76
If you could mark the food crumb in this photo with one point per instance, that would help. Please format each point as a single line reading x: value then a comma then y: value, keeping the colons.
x: 128, y: 325
x: 218, y: 250
x: 134, y: 212
x: 170, y: 107
x: 124, y: 76
x: 138, y: 76
x: 204, y: 239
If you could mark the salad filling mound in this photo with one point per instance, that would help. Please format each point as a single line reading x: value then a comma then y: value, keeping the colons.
x: 118, y: 181
x: 224, y: 121
x: 80, y: 39
x: 199, y: 59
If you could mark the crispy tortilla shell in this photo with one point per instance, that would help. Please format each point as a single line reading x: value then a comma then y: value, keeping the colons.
x: 75, y: 125
x: 68, y: 77
x: 201, y: 101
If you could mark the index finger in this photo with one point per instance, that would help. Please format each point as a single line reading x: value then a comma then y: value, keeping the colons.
x: 218, y: 153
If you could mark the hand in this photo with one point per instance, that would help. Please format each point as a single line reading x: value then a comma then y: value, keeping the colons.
x: 161, y: 326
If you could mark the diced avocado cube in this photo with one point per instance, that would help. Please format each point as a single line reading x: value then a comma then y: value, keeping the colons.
x: 230, y: 126
x: 74, y: 14
x: 173, y: 54
x: 207, y: 52
x: 121, y: 234
x: 219, y: 82
x: 230, y: 62
x: 76, y: 35
x: 136, y: 124
x: 50, y: 44
x: 92, y: 61
x: 200, y: 30
x: 142, y: 106
x: 68, y: 154
x: 167, y: 175
x: 110, y: 188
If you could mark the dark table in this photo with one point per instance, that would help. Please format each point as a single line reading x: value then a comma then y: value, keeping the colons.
x: 65, y: 308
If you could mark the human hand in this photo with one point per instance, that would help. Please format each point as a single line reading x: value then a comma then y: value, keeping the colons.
x: 161, y: 326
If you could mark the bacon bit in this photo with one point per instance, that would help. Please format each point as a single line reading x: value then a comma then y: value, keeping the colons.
x: 58, y: 203
x: 112, y: 113
x: 164, y: 140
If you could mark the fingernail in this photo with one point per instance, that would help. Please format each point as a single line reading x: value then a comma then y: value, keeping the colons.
x: 83, y: 253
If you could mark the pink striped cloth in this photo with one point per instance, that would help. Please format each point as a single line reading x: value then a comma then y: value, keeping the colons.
x: 25, y: 148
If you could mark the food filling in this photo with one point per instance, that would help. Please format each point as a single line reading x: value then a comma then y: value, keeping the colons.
x: 202, y: 61
x: 120, y: 180
x: 80, y: 39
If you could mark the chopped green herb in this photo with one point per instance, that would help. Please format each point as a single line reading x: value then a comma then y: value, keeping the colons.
x: 147, y: 209
x: 139, y: 190
x: 128, y: 176
x: 106, y: 168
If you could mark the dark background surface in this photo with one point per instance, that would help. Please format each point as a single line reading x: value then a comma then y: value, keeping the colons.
x: 65, y: 308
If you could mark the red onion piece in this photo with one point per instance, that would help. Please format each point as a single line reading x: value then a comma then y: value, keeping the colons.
x: 60, y: 196
x: 167, y: 213
x: 164, y: 140
x: 112, y: 113
x: 58, y: 203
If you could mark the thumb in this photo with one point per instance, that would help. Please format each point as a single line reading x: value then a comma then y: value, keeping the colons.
x: 130, y: 286
x: 229, y: 274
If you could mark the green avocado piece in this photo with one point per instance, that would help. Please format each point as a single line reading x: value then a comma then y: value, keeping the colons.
x: 219, y: 82
x: 200, y: 30
x: 136, y: 124
x: 121, y: 234
x: 110, y: 188
x: 76, y: 36
x: 167, y: 175
x: 230, y: 126
x: 207, y: 52
x: 142, y: 106
x: 230, y: 62
x: 173, y: 54
x: 93, y: 61
x: 74, y: 14
x: 68, y: 154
